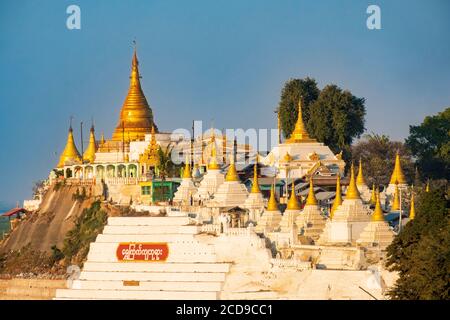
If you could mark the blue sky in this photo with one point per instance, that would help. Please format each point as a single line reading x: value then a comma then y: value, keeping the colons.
x: 203, y: 60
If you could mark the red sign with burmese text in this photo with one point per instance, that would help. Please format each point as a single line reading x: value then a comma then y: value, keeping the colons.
x: 142, y: 252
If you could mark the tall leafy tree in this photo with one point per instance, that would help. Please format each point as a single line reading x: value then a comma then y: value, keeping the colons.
x: 290, y: 95
x: 421, y: 252
x: 430, y: 144
x: 377, y: 153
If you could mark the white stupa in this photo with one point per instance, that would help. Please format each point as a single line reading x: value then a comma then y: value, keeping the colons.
x: 288, y: 221
x: 213, y: 177
x: 310, y: 221
x: 255, y: 200
x: 377, y: 233
x: 271, y: 217
x: 187, y: 189
x: 231, y: 193
x: 363, y: 189
x: 348, y: 220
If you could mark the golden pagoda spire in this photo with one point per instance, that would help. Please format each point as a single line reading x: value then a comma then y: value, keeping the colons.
x: 299, y: 134
x: 136, y: 117
x: 70, y: 153
x: 232, y: 174
x: 397, y: 174
x: 89, y: 154
x: 396, y: 202
x: 213, y: 165
x: 427, y: 188
x: 377, y: 213
x: 360, y: 178
x: 412, y: 210
x: 373, y: 196
x: 293, y: 201
x: 272, y: 204
x: 311, y: 200
x: 187, y: 170
x: 338, y: 199
x: 102, y: 138
x: 352, y: 190
x: 255, y: 185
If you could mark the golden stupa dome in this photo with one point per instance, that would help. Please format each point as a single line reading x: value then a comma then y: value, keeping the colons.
x: 70, y: 154
x: 136, y: 117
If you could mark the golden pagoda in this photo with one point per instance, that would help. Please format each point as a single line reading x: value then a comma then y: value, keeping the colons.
x: 377, y: 213
x: 373, y: 196
x: 136, y: 117
x: 412, y: 210
x: 255, y: 185
x: 232, y: 174
x: 272, y: 204
x: 187, y: 170
x: 427, y: 188
x: 213, y: 165
x: 70, y: 154
x: 397, y: 174
x: 338, y: 199
x: 293, y: 201
x: 299, y: 134
x: 352, y: 190
x: 89, y: 154
x: 311, y: 200
x: 396, y: 201
x: 102, y: 139
x: 360, y: 177
x: 150, y: 157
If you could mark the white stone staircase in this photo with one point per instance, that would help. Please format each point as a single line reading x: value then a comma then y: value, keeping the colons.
x: 189, y: 272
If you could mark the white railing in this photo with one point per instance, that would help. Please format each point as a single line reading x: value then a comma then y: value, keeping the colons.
x: 79, y: 182
x: 290, y: 264
x: 122, y: 181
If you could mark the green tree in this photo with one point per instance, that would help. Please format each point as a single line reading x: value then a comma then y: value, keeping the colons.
x: 377, y: 153
x: 430, y: 144
x: 166, y: 167
x: 290, y: 95
x: 421, y: 252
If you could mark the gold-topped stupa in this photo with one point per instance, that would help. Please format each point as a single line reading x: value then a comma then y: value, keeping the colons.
x: 272, y: 205
x: 213, y: 165
x: 311, y: 200
x: 70, y: 154
x: 352, y: 190
x: 397, y: 174
x: 136, y: 117
x: 300, y: 134
x: 338, y: 198
x: 293, y: 201
x: 377, y: 213
x: 360, y: 177
x: 412, y: 209
x: 89, y: 154
x: 396, y: 200
x: 255, y: 185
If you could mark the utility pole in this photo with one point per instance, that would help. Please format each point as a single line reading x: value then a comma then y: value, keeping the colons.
x: 81, y: 133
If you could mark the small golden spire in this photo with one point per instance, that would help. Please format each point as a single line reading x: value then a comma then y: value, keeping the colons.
x: 427, y: 188
x: 287, y: 157
x: 397, y: 174
x: 213, y: 165
x: 412, y: 210
x: 311, y: 200
x: 299, y: 134
x: 102, y: 138
x: 338, y: 199
x: 293, y: 202
x: 255, y: 185
x: 272, y: 204
x: 378, y: 213
x: 396, y: 202
x: 89, y: 154
x: 352, y: 190
x: 232, y: 174
x: 187, y: 170
x: 360, y: 178
x: 373, y: 196
x: 70, y: 153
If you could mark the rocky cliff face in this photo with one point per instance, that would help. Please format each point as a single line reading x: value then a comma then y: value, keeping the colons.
x: 49, y: 224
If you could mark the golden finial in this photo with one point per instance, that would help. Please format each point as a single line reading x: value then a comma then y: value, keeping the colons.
x: 396, y: 202
x: 213, y: 165
x: 255, y: 185
x: 397, y: 174
x: 352, y: 190
x: 287, y: 157
x: 427, y: 188
x: 412, y: 210
x: 338, y: 199
x: 293, y: 202
x: 272, y: 204
x: 360, y: 178
x: 378, y: 213
x: 373, y: 196
x: 89, y: 154
x: 299, y: 134
x: 70, y: 153
x: 187, y: 170
x: 311, y: 200
x: 232, y: 174
x: 102, y: 138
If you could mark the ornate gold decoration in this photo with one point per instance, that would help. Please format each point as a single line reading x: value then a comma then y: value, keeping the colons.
x: 299, y: 134
x: 314, y: 156
x: 150, y: 156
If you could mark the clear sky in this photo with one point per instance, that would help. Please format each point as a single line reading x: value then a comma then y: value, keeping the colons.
x: 225, y: 60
